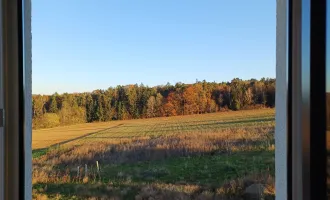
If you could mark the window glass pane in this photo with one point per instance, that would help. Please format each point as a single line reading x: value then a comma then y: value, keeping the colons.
x: 154, y: 99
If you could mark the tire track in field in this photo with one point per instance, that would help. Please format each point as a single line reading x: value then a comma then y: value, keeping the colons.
x: 77, y: 138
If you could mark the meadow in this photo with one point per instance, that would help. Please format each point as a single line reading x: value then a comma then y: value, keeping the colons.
x: 206, y: 156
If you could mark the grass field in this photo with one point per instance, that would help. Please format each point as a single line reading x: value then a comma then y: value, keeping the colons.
x: 209, y: 156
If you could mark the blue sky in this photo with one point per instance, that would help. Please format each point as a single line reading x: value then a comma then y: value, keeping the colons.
x: 82, y: 45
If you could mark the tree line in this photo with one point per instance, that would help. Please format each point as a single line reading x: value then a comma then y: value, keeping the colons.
x: 140, y: 101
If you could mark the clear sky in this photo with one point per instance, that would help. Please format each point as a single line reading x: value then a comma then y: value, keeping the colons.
x: 82, y: 45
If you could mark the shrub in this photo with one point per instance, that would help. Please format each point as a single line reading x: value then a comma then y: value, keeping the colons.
x: 47, y: 120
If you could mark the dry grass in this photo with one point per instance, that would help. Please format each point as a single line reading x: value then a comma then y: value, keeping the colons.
x: 212, y: 156
x: 44, y: 138
x: 229, y: 190
x: 133, y: 149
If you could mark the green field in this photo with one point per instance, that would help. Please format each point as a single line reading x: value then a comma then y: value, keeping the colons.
x: 209, y: 156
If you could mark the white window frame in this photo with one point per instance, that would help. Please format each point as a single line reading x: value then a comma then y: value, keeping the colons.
x: 281, y: 146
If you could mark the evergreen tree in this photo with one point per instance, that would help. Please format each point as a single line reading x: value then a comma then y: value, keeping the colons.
x: 53, y: 105
x: 89, y: 108
x: 99, y: 109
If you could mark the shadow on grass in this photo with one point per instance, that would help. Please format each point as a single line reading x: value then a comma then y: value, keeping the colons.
x: 98, y: 191
x: 144, y: 150
x: 140, y: 192
x: 193, y: 177
x: 177, y: 178
x: 206, y: 170
x: 184, y: 167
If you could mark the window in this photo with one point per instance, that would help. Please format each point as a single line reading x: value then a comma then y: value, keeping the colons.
x: 300, y: 174
x: 153, y: 136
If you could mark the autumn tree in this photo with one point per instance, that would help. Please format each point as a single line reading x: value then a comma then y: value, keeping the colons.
x: 70, y: 112
x: 38, y: 105
x: 151, y: 107
x: 159, y: 105
x: 132, y: 97
x: 169, y: 109
x: 190, y: 101
x: 201, y: 99
x: 248, y: 97
x: 140, y: 101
